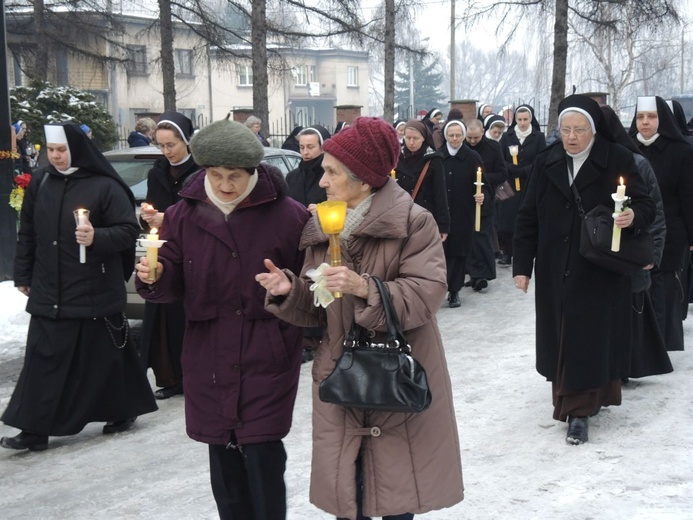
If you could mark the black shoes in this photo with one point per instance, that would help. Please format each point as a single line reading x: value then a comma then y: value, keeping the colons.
x: 577, y: 430
x: 119, y: 426
x: 25, y: 441
x: 505, y: 260
x: 454, y: 300
x: 479, y: 284
x: 169, y: 391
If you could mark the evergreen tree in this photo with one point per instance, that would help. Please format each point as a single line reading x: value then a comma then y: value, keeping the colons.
x: 41, y: 103
x: 428, y: 80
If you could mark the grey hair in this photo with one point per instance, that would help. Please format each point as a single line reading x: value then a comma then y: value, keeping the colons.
x: 354, y: 178
x: 252, y: 120
x: 145, y: 124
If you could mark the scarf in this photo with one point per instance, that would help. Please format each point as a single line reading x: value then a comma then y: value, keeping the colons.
x: 227, y: 207
x: 355, y: 217
x: 646, y: 142
x: 522, y: 135
x: 453, y: 151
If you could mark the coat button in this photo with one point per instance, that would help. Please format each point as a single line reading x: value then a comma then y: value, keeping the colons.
x: 567, y: 205
x: 565, y: 239
x: 55, y: 242
x: 55, y: 306
x: 375, y: 431
x: 238, y: 312
x: 235, y: 368
x: 567, y: 273
x: 234, y: 254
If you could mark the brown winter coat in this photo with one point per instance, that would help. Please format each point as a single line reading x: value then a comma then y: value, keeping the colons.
x: 411, y: 462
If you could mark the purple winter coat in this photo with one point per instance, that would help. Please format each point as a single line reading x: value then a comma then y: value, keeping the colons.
x: 240, y: 363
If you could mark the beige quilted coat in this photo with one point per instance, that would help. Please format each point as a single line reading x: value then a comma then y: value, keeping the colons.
x: 411, y: 462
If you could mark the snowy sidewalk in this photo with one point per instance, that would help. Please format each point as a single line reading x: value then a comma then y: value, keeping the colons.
x: 638, y: 464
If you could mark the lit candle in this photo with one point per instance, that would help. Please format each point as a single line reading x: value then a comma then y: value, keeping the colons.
x: 619, y: 198
x: 152, y: 254
x: 332, y: 215
x: 477, y: 221
x: 393, y: 173
x: 81, y: 219
x: 37, y: 147
x: 514, y: 151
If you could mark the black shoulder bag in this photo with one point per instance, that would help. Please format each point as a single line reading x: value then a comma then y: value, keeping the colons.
x: 378, y: 376
x: 597, y: 227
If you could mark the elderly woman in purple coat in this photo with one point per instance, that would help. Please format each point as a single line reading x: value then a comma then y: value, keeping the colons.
x: 240, y: 363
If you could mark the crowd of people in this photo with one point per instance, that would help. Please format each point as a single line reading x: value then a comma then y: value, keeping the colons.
x: 230, y: 306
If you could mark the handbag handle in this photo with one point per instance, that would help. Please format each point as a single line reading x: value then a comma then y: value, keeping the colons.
x: 420, y: 181
x: 395, y: 335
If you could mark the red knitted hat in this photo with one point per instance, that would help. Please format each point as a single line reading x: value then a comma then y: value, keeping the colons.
x: 369, y: 148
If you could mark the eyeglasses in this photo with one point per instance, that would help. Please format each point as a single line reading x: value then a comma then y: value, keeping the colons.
x: 579, y: 132
x: 168, y: 146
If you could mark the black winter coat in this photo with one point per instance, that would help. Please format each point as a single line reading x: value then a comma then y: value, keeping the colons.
x: 460, y: 176
x: 495, y: 170
x: 585, y: 308
x: 304, y: 182
x: 528, y: 151
x: 672, y: 162
x: 433, y: 192
x: 163, y: 188
x: 47, y: 258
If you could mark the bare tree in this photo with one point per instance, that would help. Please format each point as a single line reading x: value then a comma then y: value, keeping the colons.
x: 168, y: 68
x: 389, y: 99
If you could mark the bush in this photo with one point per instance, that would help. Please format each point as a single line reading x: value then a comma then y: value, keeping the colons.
x: 42, y: 103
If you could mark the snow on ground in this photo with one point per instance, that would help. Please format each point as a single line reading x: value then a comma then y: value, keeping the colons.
x: 637, y: 465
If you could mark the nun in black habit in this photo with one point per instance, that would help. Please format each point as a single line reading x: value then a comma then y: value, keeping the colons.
x: 525, y: 134
x: 661, y: 142
x: 583, y: 311
x: 648, y: 352
x: 80, y: 365
x: 163, y: 326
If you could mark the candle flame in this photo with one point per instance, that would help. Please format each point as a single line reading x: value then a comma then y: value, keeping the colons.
x: 153, y: 231
x: 621, y: 179
x: 81, y: 211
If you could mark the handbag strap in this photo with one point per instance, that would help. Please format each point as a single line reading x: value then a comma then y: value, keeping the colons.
x: 420, y: 181
x: 395, y: 335
x: 576, y: 193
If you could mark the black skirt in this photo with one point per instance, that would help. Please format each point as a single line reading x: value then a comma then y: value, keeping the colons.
x: 78, y: 371
x: 648, y: 352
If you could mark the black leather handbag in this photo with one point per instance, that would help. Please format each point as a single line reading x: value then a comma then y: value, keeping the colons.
x: 377, y: 376
x: 597, y: 227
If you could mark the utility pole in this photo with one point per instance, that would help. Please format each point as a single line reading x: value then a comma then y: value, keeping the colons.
x: 452, y: 50
x: 8, y: 216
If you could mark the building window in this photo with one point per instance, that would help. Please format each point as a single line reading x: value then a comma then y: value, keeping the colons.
x: 352, y: 76
x: 245, y: 75
x: 304, y: 74
x: 183, y: 61
x: 137, y: 60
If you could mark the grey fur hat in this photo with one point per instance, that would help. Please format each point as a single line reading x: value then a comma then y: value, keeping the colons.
x: 226, y: 143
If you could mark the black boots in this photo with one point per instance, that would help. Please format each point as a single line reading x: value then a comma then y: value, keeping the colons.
x: 169, y: 391
x: 25, y: 441
x: 577, y: 430
x: 454, y: 300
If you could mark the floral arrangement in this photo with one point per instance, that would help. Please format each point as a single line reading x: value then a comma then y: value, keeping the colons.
x: 21, y: 181
x: 8, y: 155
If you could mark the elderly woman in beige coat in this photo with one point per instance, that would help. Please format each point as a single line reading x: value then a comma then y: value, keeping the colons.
x: 375, y: 463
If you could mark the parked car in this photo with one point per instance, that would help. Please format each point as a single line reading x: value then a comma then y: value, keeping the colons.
x: 133, y: 165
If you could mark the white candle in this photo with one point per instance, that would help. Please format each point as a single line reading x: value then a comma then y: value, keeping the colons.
x: 82, y: 219
x: 619, y: 198
x: 152, y: 255
x: 477, y: 220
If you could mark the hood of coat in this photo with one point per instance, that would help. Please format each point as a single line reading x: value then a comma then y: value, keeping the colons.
x: 388, y: 217
x: 270, y: 186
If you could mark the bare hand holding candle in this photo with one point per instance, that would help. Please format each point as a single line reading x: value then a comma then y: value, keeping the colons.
x: 479, y: 184
x: 152, y: 244
x: 515, y: 151
x: 619, y: 198
x: 82, y: 219
x: 332, y: 215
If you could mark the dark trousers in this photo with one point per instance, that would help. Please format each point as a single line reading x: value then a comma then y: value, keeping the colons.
x: 359, y: 499
x: 248, y: 481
